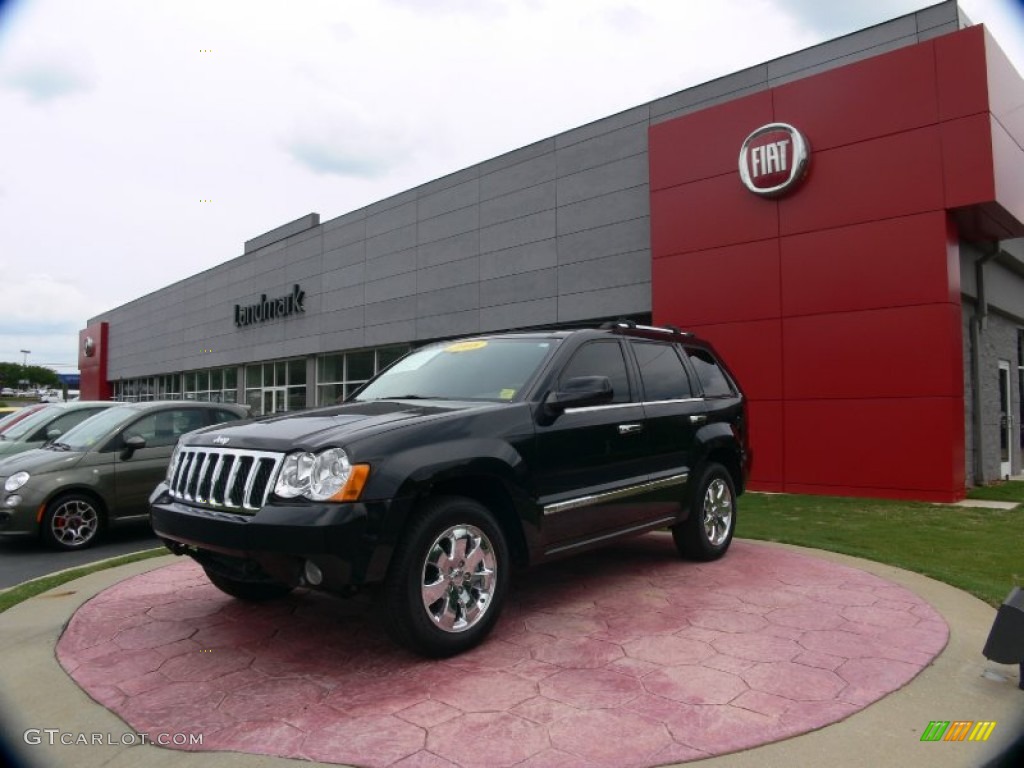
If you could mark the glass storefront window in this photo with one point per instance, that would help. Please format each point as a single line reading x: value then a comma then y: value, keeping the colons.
x: 341, y: 374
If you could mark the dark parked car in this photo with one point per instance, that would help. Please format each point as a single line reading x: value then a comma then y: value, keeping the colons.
x: 46, y: 424
x: 98, y: 473
x: 460, y: 460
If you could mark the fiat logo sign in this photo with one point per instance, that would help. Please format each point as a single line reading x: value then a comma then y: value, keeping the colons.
x: 89, y: 347
x: 774, y: 159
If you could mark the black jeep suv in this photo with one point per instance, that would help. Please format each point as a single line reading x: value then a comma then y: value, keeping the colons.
x: 460, y: 460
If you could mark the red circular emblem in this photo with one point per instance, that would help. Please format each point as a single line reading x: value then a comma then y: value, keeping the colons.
x: 773, y: 159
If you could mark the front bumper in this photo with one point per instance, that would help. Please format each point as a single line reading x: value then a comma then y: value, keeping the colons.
x: 342, y: 540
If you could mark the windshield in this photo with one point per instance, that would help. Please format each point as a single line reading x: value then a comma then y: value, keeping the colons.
x: 31, y: 422
x: 481, y: 369
x: 92, y: 430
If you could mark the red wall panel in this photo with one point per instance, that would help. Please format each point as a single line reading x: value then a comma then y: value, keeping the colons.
x: 717, y: 133
x: 748, y: 274
x: 766, y: 445
x: 878, y: 353
x: 901, y: 443
x: 865, y: 100
x: 709, y: 214
x: 847, y: 335
x: 876, y: 264
x: 93, y: 384
x: 891, y: 176
x: 960, y: 73
x: 967, y: 161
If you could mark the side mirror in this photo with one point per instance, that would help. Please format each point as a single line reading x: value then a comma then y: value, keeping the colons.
x: 53, y: 433
x: 131, y: 445
x: 579, y: 392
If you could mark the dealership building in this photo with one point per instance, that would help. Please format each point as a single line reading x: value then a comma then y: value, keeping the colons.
x: 840, y: 222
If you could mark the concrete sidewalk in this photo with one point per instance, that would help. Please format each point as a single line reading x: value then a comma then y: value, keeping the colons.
x: 959, y: 685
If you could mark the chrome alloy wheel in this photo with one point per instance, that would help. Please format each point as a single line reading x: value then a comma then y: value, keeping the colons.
x: 459, y: 578
x: 718, y: 506
x: 74, y: 523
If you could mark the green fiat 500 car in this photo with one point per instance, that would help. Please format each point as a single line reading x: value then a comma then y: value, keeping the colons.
x: 100, y: 472
x: 46, y: 424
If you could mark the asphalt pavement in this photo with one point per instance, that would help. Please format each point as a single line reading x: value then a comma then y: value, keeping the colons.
x: 25, y: 559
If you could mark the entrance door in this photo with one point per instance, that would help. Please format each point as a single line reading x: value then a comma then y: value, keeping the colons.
x: 1005, y: 420
x: 274, y: 400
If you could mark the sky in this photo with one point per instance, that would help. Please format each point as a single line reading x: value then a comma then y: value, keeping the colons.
x: 142, y: 142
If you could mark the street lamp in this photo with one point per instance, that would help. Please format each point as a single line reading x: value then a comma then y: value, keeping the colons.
x: 24, y: 365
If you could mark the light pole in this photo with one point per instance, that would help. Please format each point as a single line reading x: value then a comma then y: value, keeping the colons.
x: 24, y: 365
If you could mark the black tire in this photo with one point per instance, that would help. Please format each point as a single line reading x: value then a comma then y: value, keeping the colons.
x: 431, y: 560
x: 72, y: 521
x: 250, y: 591
x: 707, y: 531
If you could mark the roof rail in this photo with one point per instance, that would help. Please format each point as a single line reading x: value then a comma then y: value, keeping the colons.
x: 630, y: 325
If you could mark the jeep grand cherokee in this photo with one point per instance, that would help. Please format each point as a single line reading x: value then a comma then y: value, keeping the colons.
x: 460, y: 460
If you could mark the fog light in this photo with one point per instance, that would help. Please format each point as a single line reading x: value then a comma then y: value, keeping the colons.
x: 1005, y: 642
x: 12, y: 501
x: 313, y: 574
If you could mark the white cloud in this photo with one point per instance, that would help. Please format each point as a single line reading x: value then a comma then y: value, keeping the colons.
x: 46, y: 81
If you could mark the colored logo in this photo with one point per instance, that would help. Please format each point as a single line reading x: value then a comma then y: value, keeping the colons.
x: 773, y: 159
x: 89, y: 347
x: 958, y: 730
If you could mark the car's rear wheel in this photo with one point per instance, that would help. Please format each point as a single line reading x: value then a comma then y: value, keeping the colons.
x: 448, y: 578
x: 72, y: 521
x: 707, y: 531
x: 252, y: 591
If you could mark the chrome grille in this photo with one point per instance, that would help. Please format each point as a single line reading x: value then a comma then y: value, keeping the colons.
x: 224, y: 477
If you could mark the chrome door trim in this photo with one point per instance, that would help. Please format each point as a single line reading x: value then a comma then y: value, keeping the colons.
x: 619, y: 493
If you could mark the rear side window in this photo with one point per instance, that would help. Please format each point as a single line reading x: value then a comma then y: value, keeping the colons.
x: 662, y: 371
x: 714, y: 381
x: 600, y: 358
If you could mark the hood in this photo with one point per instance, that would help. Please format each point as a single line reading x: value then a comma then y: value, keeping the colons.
x: 310, y: 430
x: 38, y: 460
x: 11, y: 447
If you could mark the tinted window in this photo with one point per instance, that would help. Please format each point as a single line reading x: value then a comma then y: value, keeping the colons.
x: 600, y: 358
x: 661, y: 371
x: 710, y: 374
x: 165, y: 427
x: 65, y: 422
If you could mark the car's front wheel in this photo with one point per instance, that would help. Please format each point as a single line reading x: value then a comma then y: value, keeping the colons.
x: 707, y: 531
x: 448, y: 578
x: 71, y: 521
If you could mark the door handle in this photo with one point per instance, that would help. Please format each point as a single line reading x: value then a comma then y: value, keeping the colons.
x: 698, y: 418
x: 629, y: 429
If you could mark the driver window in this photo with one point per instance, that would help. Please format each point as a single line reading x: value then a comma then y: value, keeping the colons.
x: 600, y: 358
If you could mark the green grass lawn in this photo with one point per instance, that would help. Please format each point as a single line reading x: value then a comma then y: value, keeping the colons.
x: 978, y: 550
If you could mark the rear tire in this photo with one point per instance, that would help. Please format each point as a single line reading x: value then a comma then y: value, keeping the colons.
x: 250, y: 591
x: 448, y: 578
x: 707, y: 531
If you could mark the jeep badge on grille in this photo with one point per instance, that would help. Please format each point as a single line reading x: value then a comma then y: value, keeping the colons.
x: 221, y: 440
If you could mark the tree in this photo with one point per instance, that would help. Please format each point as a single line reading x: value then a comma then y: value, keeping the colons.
x: 11, y: 374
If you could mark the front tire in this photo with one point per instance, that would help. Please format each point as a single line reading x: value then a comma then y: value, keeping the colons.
x: 448, y: 578
x: 72, y: 521
x: 250, y: 591
x: 707, y: 531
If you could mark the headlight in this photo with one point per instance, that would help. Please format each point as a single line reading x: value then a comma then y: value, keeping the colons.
x: 15, y: 481
x: 321, y: 477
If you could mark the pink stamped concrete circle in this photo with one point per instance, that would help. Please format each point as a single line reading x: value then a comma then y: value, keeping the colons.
x: 623, y: 657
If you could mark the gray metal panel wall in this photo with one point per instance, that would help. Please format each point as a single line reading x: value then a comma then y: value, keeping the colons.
x: 557, y: 231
